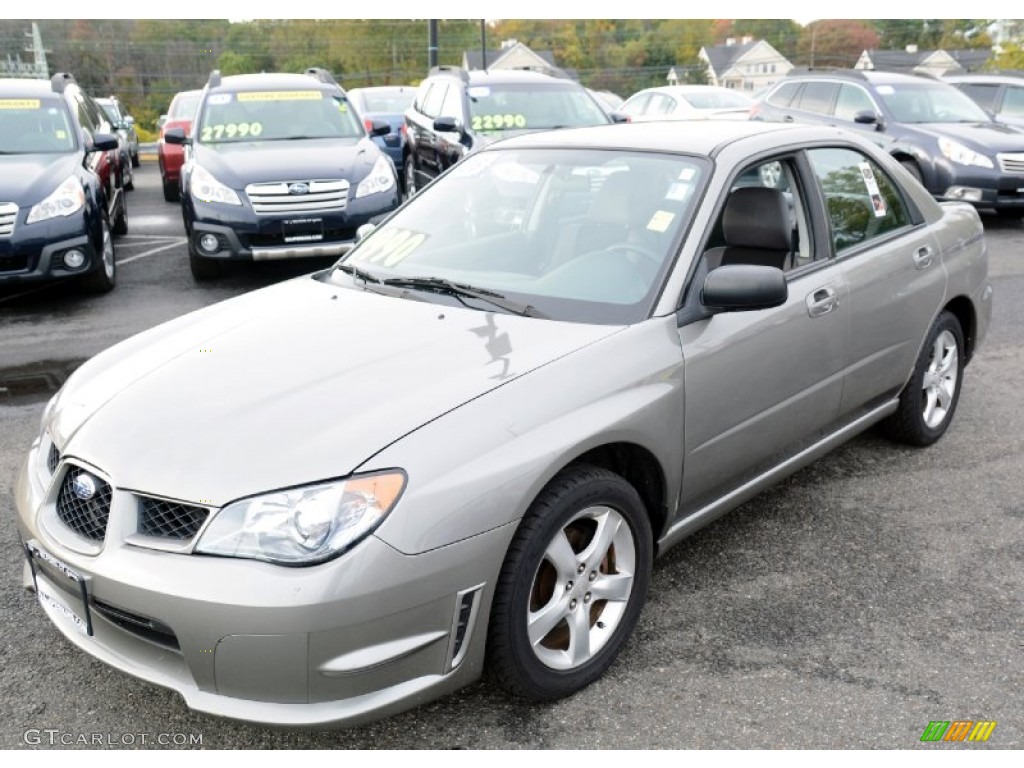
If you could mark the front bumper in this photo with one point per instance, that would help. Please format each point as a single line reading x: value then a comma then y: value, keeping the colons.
x: 370, y: 633
x: 982, y: 187
x: 242, y: 235
x: 32, y: 252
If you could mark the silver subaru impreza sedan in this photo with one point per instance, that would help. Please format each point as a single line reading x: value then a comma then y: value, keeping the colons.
x: 461, y: 447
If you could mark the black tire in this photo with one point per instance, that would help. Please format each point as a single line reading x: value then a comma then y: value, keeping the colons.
x: 120, y: 226
x: 127, y: 177
x: 911, y: 423
x: 574, y: 510
x: 171, y: 194
x: 104, y: 276
x: 203, y: 269
x: 135, y: 160
x: 409, y: 188
x: 913, y: 169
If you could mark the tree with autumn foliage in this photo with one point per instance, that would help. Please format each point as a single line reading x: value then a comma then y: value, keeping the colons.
x: 834, y: 42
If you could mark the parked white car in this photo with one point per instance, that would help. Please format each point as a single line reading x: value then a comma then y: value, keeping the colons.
x: 687, y: 102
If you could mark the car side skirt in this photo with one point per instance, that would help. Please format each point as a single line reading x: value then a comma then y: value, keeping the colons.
x: 708, y: 514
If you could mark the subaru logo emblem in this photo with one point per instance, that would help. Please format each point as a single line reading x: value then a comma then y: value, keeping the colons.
x: 84, y: 486
x: 298, y: 189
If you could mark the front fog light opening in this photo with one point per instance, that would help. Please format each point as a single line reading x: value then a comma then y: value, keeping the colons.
x: 209, y: 243
x: 73, y: 259
x: 971, y: 194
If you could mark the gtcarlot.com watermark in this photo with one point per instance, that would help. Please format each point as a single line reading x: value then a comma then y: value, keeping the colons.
x: 53, y: 737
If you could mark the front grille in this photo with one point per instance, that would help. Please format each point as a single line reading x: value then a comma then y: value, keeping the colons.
x: 1012, y: 163
x: 274, y: 198
x: 85, y: 516
x: 170, y: 519
x: 150, y: 629
x: 8, y: 213
x: 13, y: 263
x: 53, y: 459
x: 332, y: 235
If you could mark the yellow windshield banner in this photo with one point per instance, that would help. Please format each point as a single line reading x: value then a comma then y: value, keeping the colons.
x: 19, y: 104
x: 280, y: 96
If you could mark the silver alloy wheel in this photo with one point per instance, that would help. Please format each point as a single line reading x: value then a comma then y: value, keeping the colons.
x: 940, y: 378
x: 581, y: 588
x: 108, y: 251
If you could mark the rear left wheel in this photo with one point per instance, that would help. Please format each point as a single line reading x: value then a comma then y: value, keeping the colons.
x: 572, y: 585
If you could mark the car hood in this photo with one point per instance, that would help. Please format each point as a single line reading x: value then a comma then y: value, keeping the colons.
x: 251, y: 162
x: 289, y: 385
x: 983, y: 137
x: 27, y: 179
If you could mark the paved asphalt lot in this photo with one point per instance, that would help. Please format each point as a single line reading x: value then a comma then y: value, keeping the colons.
x: 875, y: 591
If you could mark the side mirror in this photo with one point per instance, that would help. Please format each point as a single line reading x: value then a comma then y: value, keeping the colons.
x: 867, y: 117
x: 744, y: 287
x: 176, y: 136
x: 160, y: 121
x: 379, y: 128
x: 364, y: 231
x: 129, y: 120
x: 619, y: 117
x: 447, y: 125
x: 103, y: 142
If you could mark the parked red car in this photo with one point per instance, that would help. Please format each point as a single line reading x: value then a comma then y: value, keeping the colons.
x: 172, y: 156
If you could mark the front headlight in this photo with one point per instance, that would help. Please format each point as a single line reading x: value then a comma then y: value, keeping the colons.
x: 380, y: 179
x: 958, y: 153
x: 304, y: 526
x: 67, y: 199
x: 206, y: 188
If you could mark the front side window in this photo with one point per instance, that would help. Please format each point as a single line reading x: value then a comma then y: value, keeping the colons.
x: 508, y: 107
x: 862, y: 201
x: 636, y: 105
x: 184, y: 106
x: 983, y: 94
x: 853, y: 99
x: 579, y: 235
x: 1013, y: 102
x: 434, y: 99
x: 34, y: 126
x: 276, y: 115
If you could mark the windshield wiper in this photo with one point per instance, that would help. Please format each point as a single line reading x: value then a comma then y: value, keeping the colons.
x: 362, y: 274
x: 461, y: 290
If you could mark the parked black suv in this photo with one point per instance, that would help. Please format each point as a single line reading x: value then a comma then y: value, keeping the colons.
x: 61, y: 185
x: 939, y: 135
x: 456, y: 112
x: 281, y: 167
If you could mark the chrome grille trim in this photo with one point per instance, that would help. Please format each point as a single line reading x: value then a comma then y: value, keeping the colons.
x: 273, y: 198
x: 1011, y: 162
x: 8, y: 215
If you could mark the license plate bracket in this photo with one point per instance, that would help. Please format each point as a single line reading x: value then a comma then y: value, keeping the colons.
x: 47, y: 569
x: 302, y: 230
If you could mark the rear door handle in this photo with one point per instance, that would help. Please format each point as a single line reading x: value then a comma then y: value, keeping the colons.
x: 822, y: 301
x: 923, y: 257
x: 787, y: 118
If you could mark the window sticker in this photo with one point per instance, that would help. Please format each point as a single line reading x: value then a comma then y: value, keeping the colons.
x: 388, y: 247
x: 342, y: 107
x: 19, y: 104
x: 60, y: 134
x: 885, y: 90
x: 871, y: 184
x: 219, y: 98
x: 687, y: 174
x: 479, y: 92
x: 498, y: 122
x: 660, y: 221
x: 280, y: 96
x: 231, y: 131
x: 678, y: 191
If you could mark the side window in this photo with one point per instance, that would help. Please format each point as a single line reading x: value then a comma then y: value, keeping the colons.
x: 99, y: 117
x: 783, y: 95
x: 421, y: 95
x: 452, y: 104
x: 861, y: 200
x: 1013, y: 102
x: 660, y: 104
x: 818, y: 97
x: 984, y: 94
x: 636, y: 105
x: 853, y: 99
x: 85, y: 117
x: 434, y: 99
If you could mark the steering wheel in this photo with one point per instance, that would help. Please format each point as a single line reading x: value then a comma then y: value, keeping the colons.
x: 651, y: 259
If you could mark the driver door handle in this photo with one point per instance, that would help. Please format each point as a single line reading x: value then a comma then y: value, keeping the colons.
x: 822, y: 301
x: 923, y: 257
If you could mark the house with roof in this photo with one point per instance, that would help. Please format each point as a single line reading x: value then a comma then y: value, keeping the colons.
x: 744, y: 64
x: 916, y: 62
x: 515, y: 55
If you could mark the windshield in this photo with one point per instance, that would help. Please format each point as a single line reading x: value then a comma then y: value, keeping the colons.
x: 713, y: 99
x: 276, y: 116
x: 581, y: 235
x: 388, y: 100
x: 500, y: 108
x: 184, y: 106
x: 30, y: 126
x: 930, y: 103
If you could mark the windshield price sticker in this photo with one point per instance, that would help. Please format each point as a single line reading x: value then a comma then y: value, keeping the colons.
x: 219, y: 98
x: 498, y: 122
x: 280, y: 96
x: 390, y: 246
x: 231, y: 131
x: 19, y: 104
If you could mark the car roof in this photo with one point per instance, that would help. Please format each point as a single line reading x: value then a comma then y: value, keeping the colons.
x: 703, y: 137
x: 863, y: 75
x: 287, y: 80
x: 998, y: 79
x: 27, y: 87
x: 684, y: 89
x: 507, y: 76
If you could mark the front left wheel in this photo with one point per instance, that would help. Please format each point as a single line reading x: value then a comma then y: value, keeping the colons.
x: 103, y: 277
x: 572, y: 585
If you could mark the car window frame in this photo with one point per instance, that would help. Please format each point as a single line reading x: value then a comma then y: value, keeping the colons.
x: 434, y: 86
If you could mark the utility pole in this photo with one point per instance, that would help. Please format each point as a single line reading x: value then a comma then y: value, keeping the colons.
x: 431, y: 43
x: 483, y: 43
x: 42, y: 70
